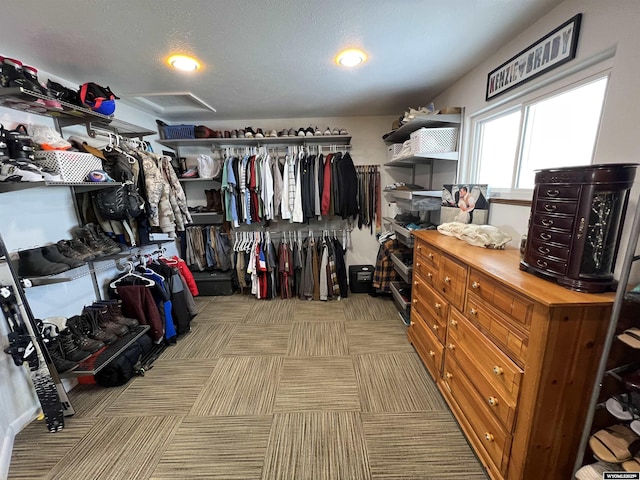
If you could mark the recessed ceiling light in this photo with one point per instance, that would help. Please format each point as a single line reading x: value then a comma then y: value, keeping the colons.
x: 184, y: 63
x: 351, y: 57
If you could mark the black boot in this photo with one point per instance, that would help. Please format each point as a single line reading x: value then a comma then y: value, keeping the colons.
x: 115, y: 313
x: 12, y: 70
x: 71, y: 350
x: 92, y: 328
x: 75, y: 325
x: 51, y: 253
x: 61, y: 363
x: 33, y: 264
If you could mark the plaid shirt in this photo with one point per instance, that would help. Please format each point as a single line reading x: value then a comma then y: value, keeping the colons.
x: 384, y: 273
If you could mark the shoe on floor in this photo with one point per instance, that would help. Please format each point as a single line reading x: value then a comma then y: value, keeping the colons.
x: 191, y: 173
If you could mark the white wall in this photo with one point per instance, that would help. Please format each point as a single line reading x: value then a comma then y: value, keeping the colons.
x: 605, y: 25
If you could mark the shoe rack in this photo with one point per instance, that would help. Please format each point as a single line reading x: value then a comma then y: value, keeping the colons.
x: 618, y: 359
x: 423, y: 201
x: 23, y: 100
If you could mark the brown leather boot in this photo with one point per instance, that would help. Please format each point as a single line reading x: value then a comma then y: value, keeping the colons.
x: 216, y: 202
x: 209, y: 207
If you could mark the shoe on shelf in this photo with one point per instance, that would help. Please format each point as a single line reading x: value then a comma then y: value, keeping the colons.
x: 249, y: 133
x: 101, y: 236
x: 272, y: 134
x: 71, y: 350
x: 293, y: 132
x: 317, y: 132
x: 77, y: 327
x: 343, y: 131
x: 115, y: 310
x: 283, y: 133
x: 33, y: 264
x: 301, y: 132
x: 234, y: 134
x: 81, y: 248
x: 259, y: 133
x: 62, y: 364
x: 327, y: 131
x: 335, y: 131
x: 51, y: 253
x: 11, y: 171
x: 309, y: 131
x: 241, y: 133
x: 191, y: 173
x: 91, y: 327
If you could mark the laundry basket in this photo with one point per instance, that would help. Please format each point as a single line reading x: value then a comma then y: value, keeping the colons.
x: 72, y: 166
x: 174, y: 132
x: 434, y: 140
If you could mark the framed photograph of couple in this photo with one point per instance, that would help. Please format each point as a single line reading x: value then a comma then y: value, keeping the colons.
x: 465, y: 203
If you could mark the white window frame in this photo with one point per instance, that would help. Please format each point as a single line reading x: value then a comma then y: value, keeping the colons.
x: 586, y: 72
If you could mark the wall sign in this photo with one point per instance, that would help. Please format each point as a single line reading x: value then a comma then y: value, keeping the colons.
x: 549, y: 52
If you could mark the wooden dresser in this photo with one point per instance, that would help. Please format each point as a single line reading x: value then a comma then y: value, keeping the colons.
x: 514, y: 355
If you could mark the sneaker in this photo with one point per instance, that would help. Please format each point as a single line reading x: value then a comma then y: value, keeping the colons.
x: 249, y: 133
x: 309, y: 131
x: 301, y: 132
x: 283, y: 133
x: 343, y: 132
x: 272, y: 134
x: 191, y: 173
x: 241, y: 133
x: 327, y: 131
x: 259, y: 133
x: 292, y: 132
x: 234, y: 134
x: 335, y: 131
x: 317, y: 132
x: 12, y: 172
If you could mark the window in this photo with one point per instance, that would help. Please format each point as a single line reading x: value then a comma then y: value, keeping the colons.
x: 559, y: 130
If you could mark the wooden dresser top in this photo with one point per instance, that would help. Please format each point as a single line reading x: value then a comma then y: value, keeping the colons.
x: 503, y: 265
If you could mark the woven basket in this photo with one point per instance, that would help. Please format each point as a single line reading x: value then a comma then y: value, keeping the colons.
x: 72, y: 166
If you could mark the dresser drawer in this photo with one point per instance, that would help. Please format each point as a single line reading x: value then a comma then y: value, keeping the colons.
x: 504, y: 375
x: 426, y: 344
x: 495, y: 440
x: 558, y: 191
x: 501, y: 402
x: 562, y: 224
x: 548, y: 235
x: 545, y: 263
x: 427, y: 255
x: 556, y: 207
x: 433, y: 309
x: 517, y: 307
x: 550, y: 250
x: 452, y: 281
x: 498, y: 327
x: 427, y: 272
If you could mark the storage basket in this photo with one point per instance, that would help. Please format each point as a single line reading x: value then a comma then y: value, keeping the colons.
x: 173, y: 132
x: 393, y: 150
x: 72, y: 166
x: 434, y: 140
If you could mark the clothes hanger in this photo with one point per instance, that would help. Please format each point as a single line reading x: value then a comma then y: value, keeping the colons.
x: 131, y: 273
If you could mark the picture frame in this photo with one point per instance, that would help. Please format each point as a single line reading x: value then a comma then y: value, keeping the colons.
x: 465, y: 203
x: 554, y: 49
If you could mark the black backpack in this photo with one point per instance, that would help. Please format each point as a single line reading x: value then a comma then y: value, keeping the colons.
x: 119, y: 203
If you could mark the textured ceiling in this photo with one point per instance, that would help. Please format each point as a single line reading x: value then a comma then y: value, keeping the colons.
x: 268, y: 58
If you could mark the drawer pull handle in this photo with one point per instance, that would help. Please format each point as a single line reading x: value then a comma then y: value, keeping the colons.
x: 438, y: 306
x: 543, y: 250
x: 498, y: 370
x: 547, y: 223
x: 541, y: 264
x: 447, y: 280
x: 412, y: 323
x: 432, y: 353
x: 419, y: 247
x: 415, y: 300
x: 553, y: 193
x: 430, y: 275
x: 473, y: 311
x: 488, y: 437
x: 475, y: 285
x: 451, y: 347
x: 415, y: 283
x: 430, y: 255
x: 545, y: 236
x: 418, y: 264
x: 453, y: 322
x: 449, y: 375
x: 493, y: 401
x: 436, y: 326
x: 550, y: 208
